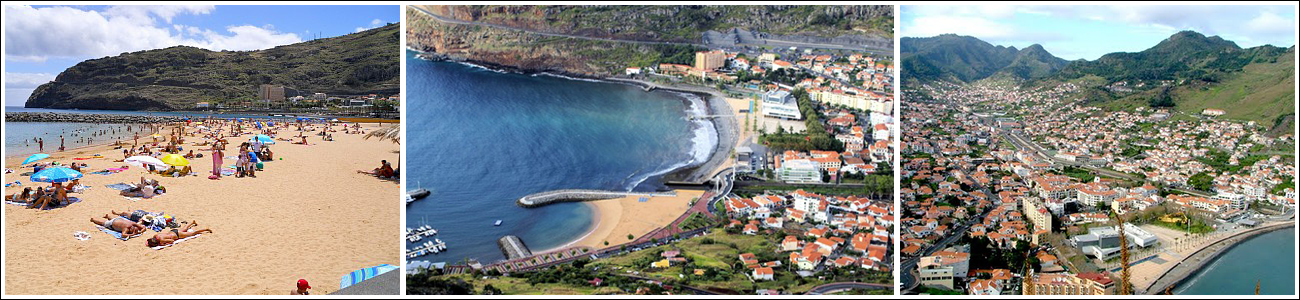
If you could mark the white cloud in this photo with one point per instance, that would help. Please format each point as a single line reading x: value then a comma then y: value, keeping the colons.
x: 141, y: 13
x: 26, y: 80
x: 1245, y: 22
x: 1271, y: 24
x: 373, y: 24
x: 36, y: 34
x: 962, y: 25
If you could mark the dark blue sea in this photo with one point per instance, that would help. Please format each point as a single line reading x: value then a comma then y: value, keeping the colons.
x: 480, y: 139
x: 1268, y: 258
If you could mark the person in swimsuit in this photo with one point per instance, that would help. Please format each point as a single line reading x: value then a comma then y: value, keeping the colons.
x: 24, y: 197
x: 168, y: 237
x: 119, y: 224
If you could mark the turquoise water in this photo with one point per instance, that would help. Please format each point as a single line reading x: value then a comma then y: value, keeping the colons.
x: 19, y: 135
x: 1269, y: 258
x: 480, y: 139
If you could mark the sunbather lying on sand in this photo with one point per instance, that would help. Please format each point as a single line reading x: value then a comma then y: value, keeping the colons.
x: 171, y: 236
x: 25, y: 196
x: 120, y: 224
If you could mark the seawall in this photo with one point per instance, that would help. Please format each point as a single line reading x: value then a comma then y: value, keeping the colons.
x: 577, y: 195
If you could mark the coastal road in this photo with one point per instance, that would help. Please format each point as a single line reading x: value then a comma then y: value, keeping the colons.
x: 443, y: 19
x: 836, y: 287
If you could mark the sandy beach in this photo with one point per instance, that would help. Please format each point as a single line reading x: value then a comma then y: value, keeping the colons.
x: 308, y: 215
x: 617, y: 218
x: 744, y: 133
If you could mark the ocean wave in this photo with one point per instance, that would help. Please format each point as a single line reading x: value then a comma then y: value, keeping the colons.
x: 485, y: 68
x: 704, y: 138
x: 566, y: 77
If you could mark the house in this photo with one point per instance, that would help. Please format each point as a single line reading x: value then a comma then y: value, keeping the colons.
x: 763, y: 273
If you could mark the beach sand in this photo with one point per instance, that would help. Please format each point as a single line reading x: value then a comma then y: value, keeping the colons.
x: 743, y: 135
x: 310, y: 215
x: 617, y: 218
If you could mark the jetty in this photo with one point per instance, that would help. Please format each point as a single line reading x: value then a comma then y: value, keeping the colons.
x: 513, y: 247
x: 577, y: 195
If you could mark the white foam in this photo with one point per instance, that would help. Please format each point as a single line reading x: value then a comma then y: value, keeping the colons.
x: 484, y: 68
x: 703, y: 140
x: 566, y: 77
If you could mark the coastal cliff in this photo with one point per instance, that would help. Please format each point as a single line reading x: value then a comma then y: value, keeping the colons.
x: 678, y: 23
x: 599, y: 41
x: 177, y: 77
x: 529, y: 52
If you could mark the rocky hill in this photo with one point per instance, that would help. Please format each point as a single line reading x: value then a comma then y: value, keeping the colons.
x: 176, y: 78
x: 679, y: 23
x: 599, y: 41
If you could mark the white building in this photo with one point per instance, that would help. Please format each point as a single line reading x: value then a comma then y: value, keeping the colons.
x: 779, y: 104
x: 799, y: 170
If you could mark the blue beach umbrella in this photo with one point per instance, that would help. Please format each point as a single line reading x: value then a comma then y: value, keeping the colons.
x: 264, y: 139
x: 56, y: 174
x: 363, y: 274
x: 35, y: 157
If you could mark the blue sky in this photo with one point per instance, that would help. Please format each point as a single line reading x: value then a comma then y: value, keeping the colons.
x: 41, y: 41
x: 1088, y: 32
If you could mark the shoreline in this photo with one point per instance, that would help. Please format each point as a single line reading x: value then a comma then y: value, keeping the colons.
x: 607, y: 214
x: 614, y: 219
x: 1181, y: 272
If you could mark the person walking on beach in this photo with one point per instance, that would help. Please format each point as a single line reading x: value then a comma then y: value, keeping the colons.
x: 40, y: 144
x: 216, y: 162
x: 61, y: 143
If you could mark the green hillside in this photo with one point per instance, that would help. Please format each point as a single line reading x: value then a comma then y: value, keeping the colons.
x: 178, y: 77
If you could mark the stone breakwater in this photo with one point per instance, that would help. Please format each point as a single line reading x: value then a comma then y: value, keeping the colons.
x: 576, y: 195
x: 87, y: 118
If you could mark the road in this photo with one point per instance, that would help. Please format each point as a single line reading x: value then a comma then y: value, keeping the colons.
x: 1024, y: 143
x: 844, y: 286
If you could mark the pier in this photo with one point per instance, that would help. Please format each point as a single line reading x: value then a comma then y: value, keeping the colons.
x: 575, y: 195
x: 513, y: 247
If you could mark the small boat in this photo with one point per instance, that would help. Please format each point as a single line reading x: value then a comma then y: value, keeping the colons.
x: 416, y: 194
x: 498, y: 223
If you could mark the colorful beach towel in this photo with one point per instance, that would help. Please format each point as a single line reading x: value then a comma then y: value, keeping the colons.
x: 15, y: 183
x: 116, y: 234
x: 177, y: 242
x: 71, y: 200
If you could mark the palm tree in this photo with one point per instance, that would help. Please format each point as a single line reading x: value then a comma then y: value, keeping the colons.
x: 391, y: 133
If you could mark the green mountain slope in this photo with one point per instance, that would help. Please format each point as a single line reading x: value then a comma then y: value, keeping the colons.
x: 178, y: 77
x: 1188, y: 70
x: 968, y: 59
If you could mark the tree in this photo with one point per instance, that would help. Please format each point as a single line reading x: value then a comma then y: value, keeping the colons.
x: 491, y: 290
x: 1201, y: 181
x: 630, y: 237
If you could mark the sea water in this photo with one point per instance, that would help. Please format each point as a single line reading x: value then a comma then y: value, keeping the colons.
x: 480, y: 139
